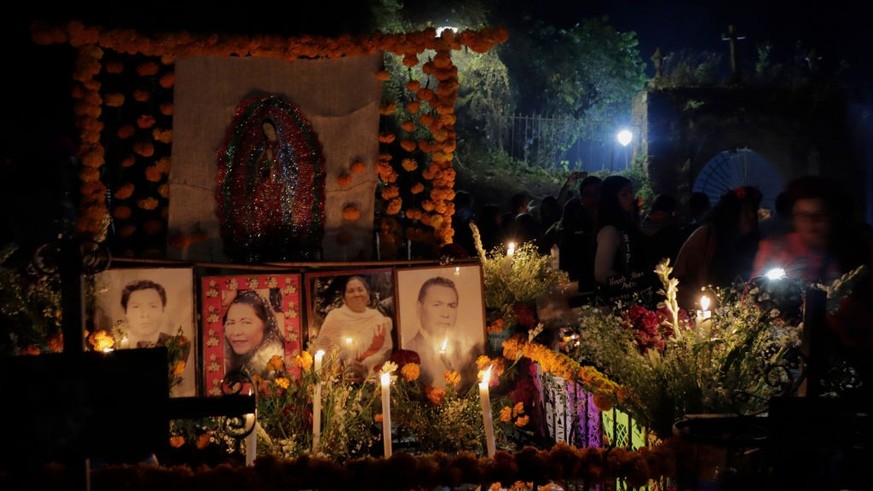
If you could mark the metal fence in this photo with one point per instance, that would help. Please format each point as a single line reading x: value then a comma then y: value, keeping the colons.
x: 562, y: 142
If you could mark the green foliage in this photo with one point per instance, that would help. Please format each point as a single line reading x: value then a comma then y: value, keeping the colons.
x: 484, y: 97
x: 688, y: 68
x: 590, y: 70
x: 30, y: 305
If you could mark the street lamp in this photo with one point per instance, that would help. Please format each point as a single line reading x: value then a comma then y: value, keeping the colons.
x: 624, y: 137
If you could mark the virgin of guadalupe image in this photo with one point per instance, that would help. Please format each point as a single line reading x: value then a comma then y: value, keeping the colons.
x: 270, y: 183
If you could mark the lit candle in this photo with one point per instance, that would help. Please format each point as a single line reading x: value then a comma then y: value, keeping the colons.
x: 510, y: 249
x: 704, y: 312
x: 486, y: 412
x: 316, y: 402
x: 386, y: 413
x: 444, y: 345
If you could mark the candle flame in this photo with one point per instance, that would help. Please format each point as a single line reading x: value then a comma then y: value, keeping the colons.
x: 386, y: 379
x: 444, y: 345
x: 349, y: 340
x: 510, y: 248
x: 319, y: 355
x: 486, y: 376
x: 704, y: 302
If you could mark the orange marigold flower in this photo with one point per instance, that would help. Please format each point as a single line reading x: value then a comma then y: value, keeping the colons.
x: 378, y: 418
x: 518, y: 408
x: 276, y: 363
x: 495, y: 327
x: 426, y: 119
x: 148, y: 68
x: 145, y: 149
x: 394, y: 206
x: 114, y: 67
x: 153, y: 173
x: 351, y: 212
x: 428, y: 205
x: 31, y: 350
x: 153, y: 227
x: 410, y: 60
x: 357, y: 167
x: 114, y: 99
x: 166, y: 109
x: 126, y: 231
x: 506, y: 414
x: 410, y: 372
x: 413, y: 214
x: 177, y: 441
x: 162, y: 135
x: 452, y: 377
x: 167, y: 80
x: 413, y: 107
x: 126, y: 131
x: 413, y: 85
x: 164, y: 190
x: 56, y: 343
x: 382, y: 75
x: 482, y: 362
x: 408, y: 126
x: 303, y: 361
x: 425, y: 94
x: 202, y: 441
x: 141, y: 95
x: 163, y: 165
x: 417, y: 188
x: 128, y: 161
x: 389, y: 192
x: 343, y: 180
x: 434, y: 395
x: 386, y: 137
x: 122, y: 212
x: 522, y: 421
x: 283, y: 382
x: 89, y: 174
x: 407, y: 145
x: 388, y: 109
x: 145, y: 121
x: 409, y: 165
x: 179, y: 368
x: 148, y: 203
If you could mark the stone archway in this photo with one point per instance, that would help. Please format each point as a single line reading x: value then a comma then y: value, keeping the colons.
x: 731, y: 169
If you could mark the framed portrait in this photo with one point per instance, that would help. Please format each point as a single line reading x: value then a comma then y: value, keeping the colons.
x: 441, y: 316
x: 352, y: 312
x: 149, y: 307
x: 248, y: 319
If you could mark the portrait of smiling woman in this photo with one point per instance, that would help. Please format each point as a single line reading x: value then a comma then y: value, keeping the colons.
x: 251, y: 333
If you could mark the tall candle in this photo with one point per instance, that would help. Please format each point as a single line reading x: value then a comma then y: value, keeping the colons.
x: 510, y: 249
x: 485, y: 399
x: 386, y: 413
x: 252, y: 441
x: 316, y: 402
x: 704, y: 314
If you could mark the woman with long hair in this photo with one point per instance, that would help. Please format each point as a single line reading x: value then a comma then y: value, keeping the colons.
x: 621, y: 268
x: 251, y: 334
x: 722, y: 250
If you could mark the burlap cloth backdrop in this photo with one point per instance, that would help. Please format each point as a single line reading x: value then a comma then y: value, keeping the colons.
x: 340, y: 97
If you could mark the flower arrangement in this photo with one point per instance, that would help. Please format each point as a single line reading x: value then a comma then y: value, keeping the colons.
x: 670, y: 364
x: 30, y: 307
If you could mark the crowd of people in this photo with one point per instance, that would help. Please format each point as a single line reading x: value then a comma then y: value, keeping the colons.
x: 610, y: 244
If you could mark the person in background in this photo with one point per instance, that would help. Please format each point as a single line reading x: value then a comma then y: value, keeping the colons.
x: 780, y: 221
x: 826, y: 243
x: 360, y: 332
x: 461, y: 222
x: 662, y: 229
x: 722, y: 250
x: 550, y: 213
x: 698, y: 206
x: 621, y: 266
x: 251, y: 334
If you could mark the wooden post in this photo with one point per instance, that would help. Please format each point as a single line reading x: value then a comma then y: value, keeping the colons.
x: 813, y: 346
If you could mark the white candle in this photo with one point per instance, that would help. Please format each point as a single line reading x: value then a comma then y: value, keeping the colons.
x: 444, y: 345
x: 252, y: 442
x: 485, y: 399
x: 409, y: 250
x: 386, y: 413
x: 316, y: 402
x: 704, y: 312
x: 510, y: 249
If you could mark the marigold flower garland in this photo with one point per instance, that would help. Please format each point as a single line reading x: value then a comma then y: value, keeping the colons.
x: 91, y: 41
